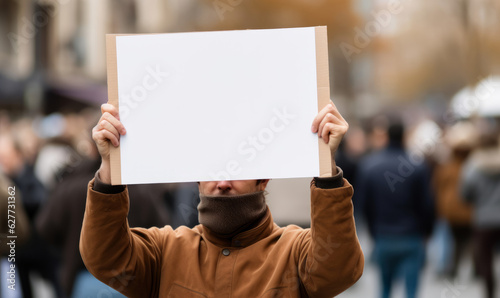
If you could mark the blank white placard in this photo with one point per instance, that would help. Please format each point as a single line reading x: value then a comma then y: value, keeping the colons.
x: 227, y: 105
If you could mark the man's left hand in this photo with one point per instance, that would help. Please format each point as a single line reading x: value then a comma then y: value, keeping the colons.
x: 331, y: 127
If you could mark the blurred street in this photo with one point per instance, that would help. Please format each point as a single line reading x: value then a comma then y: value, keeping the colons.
x: 432, y: 286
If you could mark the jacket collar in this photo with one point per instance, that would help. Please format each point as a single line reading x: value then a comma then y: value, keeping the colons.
x: 261, y: 230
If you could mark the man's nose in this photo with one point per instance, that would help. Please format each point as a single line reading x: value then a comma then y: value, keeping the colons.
x: 224, y: 185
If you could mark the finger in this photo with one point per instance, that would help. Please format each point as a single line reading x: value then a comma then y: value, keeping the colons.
x: 105, y: 125
x: 103, y: 136
x: 114, y: 122
x: 329, y: 118
x: 110, y: 109
x: 333, y: 131
x: 336, y: 112
x: 329, y: 127
x: 317, y: 120
x: 332, y: 108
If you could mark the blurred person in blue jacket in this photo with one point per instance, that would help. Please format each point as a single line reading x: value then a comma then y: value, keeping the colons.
x: 394, y: 193
x: 461, y: 138
x: 481, y: 188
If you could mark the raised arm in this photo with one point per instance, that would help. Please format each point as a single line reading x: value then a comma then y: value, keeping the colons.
x: 126, y: 259
x: 330, y: 257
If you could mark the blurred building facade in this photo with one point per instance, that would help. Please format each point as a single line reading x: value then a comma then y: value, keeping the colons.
x: 52, y: 43
x: 382, y: 52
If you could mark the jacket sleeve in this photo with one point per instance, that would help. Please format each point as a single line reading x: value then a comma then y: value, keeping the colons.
x: 127, y: 260
x: 330, y: 257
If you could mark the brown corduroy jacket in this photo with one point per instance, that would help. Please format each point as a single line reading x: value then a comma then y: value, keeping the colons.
x: 266, y: 261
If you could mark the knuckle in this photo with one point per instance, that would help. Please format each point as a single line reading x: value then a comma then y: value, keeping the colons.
x: 108, y: 137
x: 97, y: 136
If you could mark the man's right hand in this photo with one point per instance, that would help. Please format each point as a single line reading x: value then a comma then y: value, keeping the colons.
x: 107, y: 132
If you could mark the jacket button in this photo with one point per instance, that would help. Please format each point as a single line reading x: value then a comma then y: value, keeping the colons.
x: 226, y: 252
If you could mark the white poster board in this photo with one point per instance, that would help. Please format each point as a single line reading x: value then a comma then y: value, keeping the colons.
x: 225, y: 105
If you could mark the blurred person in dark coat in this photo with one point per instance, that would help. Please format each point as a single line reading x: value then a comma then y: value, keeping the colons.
x: 182, y: 200
x: 461, y: 138
x: 35, y: 256
x: 348, y: 156
x: 350, y: 152
x: 394, y: 195
x: 60, y: 223
x: 481, y: 188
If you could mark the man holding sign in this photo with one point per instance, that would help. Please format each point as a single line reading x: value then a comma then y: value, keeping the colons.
x: 237, y: 250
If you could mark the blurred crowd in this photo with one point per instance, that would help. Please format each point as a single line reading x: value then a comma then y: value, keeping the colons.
x: 416, y: 181
x: 50, y: 160
x: 422, y: 181
x: 412, y: 182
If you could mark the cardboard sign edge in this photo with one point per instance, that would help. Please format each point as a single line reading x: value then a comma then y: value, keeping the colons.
x: 323, y: 81
x: 112, y: 68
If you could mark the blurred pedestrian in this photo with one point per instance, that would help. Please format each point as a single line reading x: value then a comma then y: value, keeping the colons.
x: 377, y: 138
x: 60, y: 222
x: 481, y: 188
x: 35, y: 256
x: 350, y: 152
x: 461, y: 138
x: 394, y: 194
x: 182, y: 200
x: 348, y: 156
